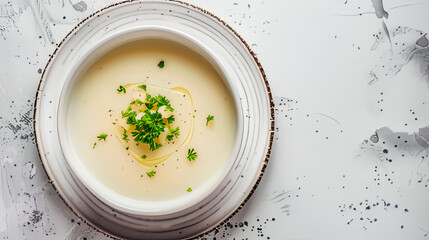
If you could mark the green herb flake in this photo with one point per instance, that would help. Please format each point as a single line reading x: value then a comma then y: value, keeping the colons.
x: 151, y: 173
x: 139, y: 102
x: 170, y: 119
x: 144, y: 157
x: 192, y: 155
x: 102, y: 137
x: 95, y: 144
x: 142, y: 87
x: 127, y: 112
x: 121, y: 89
x: 174, y: 132
x: 189, y: 189
x: 209, y: 118
x: 161, y: 64
x: 125, y: 135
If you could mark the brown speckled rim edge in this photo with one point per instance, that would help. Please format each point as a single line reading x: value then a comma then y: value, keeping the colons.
x: 261, y: 70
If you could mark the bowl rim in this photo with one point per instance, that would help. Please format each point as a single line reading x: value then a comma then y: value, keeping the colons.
x: 94, y: 185
x: 37, y: 103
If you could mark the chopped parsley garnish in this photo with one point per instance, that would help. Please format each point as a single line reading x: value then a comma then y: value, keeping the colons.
x: 95, y: 144
x: 161, y: 64
x: 159, y: 101
x: 192, y: 155
x: 144, y: 157
x: 127, y: 112
x: 142, y: 87
x: 189, y: 189
x: 148, y: 127
x: 174, y: 132
x: 170, y: 119
x: 209, y: 118
x: 102, y: 137
x: 151, y: 173
x: 139, y: 102
x: 125, y: 135
x: 121, y: 89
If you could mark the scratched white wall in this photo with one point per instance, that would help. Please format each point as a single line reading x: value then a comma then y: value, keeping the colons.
x: 351, y: 85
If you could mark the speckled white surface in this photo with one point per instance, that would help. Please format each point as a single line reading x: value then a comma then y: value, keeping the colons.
x: 350, y: 156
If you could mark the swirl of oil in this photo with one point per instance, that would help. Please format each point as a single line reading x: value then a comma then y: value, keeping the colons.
x: 150, y: 162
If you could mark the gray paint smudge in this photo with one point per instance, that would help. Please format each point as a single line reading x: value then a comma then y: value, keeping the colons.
x: 419, y: 52
x: 329, y: 117
x: 408, y: 149
x: 21, y: 128
x: 387, y: 32
x: 43, y: 19
x: 380, y: 12
x: 384, y: 140
x: 14, y: 128
x: 422, y: 42
x: 9, y: 16
x: 379, y: 9
x: 79, y: 6
x: 421, y: 137
x: 281, y: 199
x: 374, y: 78
x: 404, y: 50
x: 80, y: 231
x: 280, y: 195
x: 29, y: 170
x: 424, y: 133
x: 14, y: 13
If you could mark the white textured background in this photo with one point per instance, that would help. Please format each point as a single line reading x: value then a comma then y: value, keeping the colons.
x: 351, y: 87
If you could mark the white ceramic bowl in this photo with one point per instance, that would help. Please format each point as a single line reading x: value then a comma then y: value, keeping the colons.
x: 219, y: 198
x: 79, y: 67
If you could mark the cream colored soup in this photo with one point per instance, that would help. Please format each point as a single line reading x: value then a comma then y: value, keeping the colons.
x: 195, y: 90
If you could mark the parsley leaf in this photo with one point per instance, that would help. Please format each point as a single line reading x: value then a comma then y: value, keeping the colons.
x: 142, y: 87
x: 139, y: 102
x: 174, y: 132
x: 102, y: 137
x: 127, y: 112
x: 192, y: 155
x: 150, y: 101
x: 157, y: 101
x: 189, y: 189
x: 209, y: 118
x: 163, y: 101
x: 144, y: 157
x: 161, y: 64
x: 151, y: 173
x: 148, y: 129
x: 125, y: 135
x: 121, y: 89
x: 170, y: 119
x: 95, y: 144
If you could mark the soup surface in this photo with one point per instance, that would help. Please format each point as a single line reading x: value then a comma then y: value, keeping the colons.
x: 126, y: 80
